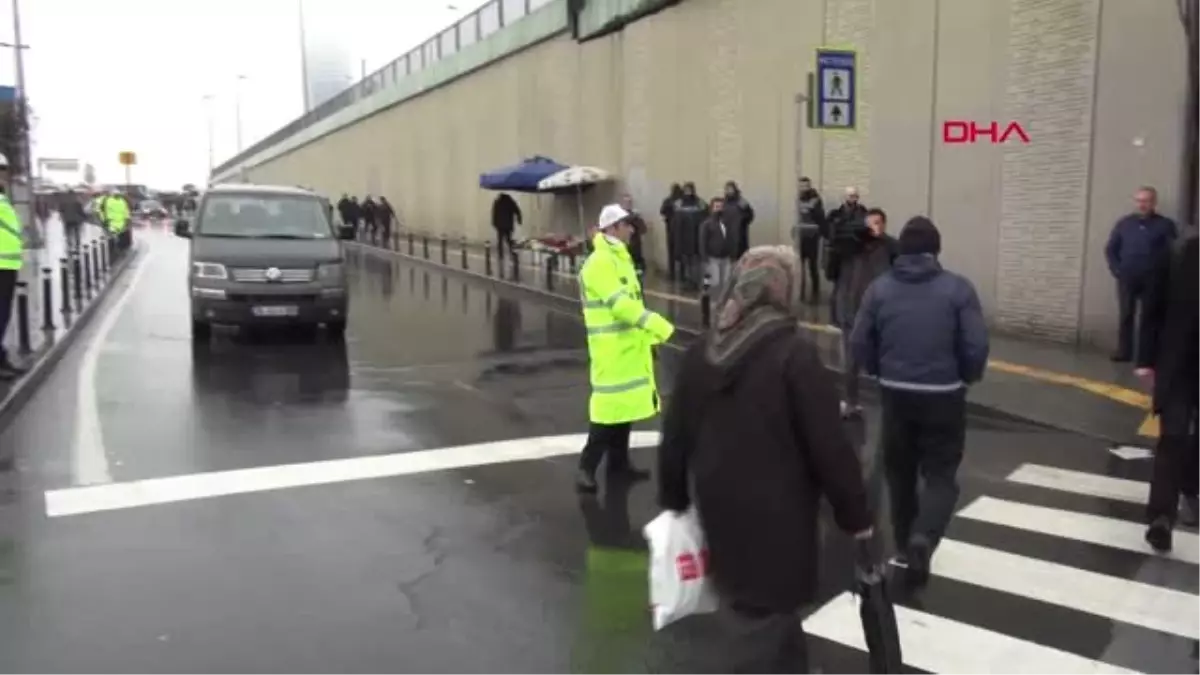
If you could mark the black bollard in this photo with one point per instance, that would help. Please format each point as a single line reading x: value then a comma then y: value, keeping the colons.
x: 571, y: 261
x: 102, y: 259
x: 551, y: 266
x: 96, y: 273
x: 77, y: 279
x: 465, y: 265
x: 24, y: 343
x: 516, y: 266
x: 85, y: 259
x: 410, y: 243
x: 487, y: 258
x: 65, y: 275
x: 444, y: 250
x: 425, y: 246
x: 47, y: 298
x: 705, y: 310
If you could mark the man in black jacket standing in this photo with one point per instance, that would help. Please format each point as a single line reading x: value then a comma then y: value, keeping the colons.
x: 1167, y: 356
x: 73, y: 215
x: 810, y: 229
x: 506, y: 215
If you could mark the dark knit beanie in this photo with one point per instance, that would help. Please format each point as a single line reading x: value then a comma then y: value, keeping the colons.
x: 920, y: 235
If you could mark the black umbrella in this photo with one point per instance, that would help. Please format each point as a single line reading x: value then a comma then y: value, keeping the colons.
x: 877, y: 612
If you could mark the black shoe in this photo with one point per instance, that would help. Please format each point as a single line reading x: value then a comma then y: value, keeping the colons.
x: 1158, y: 535
x: 917, y: 556
x: 629, y: 472
x: 1189, y: 511
x: 11, y: 371
x: 585, y: 483
x: 1120, y: 358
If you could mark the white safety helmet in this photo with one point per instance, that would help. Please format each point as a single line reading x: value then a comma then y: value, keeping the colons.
x: 3, y: 161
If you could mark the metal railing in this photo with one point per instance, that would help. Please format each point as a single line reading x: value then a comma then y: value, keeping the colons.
x: 472, y: 28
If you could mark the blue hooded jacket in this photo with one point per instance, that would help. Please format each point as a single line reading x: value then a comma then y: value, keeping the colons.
x: 921, y: 328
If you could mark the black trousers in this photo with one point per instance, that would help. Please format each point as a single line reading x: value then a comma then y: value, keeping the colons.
x: 672, y: 252
x: 8, y: 287
x: 810, y: 258
x: 606, y: 440
x: 923, y: 436
x: 73, y: 232
x: 1176, y: 460
x: 1129, y: 295
x: 504, y: 239
x: 757, y: 641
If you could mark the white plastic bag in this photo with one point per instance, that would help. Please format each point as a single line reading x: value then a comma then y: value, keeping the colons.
x: 679, y: 583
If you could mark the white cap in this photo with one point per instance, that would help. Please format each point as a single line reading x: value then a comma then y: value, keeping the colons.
x: 611, y: 215
x: 851, y: 191
x: 3, y: 161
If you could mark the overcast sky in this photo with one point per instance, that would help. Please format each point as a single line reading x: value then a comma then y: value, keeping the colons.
x: 112, y: 75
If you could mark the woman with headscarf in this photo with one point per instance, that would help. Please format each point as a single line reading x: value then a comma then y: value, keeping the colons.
x: 753, y: 437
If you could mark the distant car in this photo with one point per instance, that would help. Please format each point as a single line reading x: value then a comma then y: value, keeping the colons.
x: 265, y: 255
x: 151, y: 209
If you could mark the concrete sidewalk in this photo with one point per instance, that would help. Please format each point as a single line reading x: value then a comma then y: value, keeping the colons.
x: 1057, y: 385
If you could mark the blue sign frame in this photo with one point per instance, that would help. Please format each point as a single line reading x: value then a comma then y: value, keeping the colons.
x: 836, y: 100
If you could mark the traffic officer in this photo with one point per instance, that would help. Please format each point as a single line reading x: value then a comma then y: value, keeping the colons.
x: 115, y: 212
x: 12, y: 249
x: 621, y: 334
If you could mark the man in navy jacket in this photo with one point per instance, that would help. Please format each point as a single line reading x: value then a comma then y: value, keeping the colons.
x: 1137, y: 242
x: 920, y: 330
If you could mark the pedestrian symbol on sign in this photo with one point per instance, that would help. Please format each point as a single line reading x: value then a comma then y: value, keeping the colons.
x: 836, y: 89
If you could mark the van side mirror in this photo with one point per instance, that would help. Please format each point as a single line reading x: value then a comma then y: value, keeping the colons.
x: 182, y: 228
x: 346, y: 232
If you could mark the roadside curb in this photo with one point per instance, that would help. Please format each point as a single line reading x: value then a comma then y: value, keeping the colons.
x: 692, y: 333
x: 44, y: 360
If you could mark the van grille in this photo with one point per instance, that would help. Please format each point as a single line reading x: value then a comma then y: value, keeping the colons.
x: 259, y: 275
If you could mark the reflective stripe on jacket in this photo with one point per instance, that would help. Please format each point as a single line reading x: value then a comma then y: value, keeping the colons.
x: 620, y: 333
x: 12, y: 243
x: 116, y: 213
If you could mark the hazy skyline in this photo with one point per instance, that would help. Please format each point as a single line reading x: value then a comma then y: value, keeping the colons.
x: 133, y: 74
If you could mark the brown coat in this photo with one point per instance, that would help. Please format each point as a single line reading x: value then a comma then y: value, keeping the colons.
x: 761, y: 441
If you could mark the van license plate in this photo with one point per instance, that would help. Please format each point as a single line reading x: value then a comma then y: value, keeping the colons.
x: 275, y: 310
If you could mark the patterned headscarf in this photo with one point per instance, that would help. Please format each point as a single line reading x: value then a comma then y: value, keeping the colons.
x: 760, y: 296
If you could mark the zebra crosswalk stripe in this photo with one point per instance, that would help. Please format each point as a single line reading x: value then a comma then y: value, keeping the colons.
x: 939, y: 644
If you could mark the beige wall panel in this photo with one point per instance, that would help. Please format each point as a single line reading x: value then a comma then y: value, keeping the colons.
x: 902, y: 91
x: 847, y: 155
x: 972, y: 47
x: 1052, y: 46
x: 1140, y: 95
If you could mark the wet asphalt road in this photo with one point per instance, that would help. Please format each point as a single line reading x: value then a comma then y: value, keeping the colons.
x: 492, y: 566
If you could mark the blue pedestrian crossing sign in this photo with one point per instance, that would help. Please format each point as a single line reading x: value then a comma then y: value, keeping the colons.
x: 837, y: 89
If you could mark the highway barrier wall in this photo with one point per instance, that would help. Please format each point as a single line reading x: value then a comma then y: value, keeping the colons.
x: 710, y: 90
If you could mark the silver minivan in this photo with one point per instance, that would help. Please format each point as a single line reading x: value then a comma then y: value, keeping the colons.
x: 265, y: 255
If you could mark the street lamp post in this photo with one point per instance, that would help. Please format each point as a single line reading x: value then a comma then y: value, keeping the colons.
x: 237, y: 108
x: 26, y: 169
x: 208, y: 103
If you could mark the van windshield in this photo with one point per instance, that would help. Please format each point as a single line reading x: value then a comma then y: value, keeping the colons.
x: 257, y: 216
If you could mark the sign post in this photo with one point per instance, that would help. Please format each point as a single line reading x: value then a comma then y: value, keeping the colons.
x: 836, y: 99
x: 128, y: 158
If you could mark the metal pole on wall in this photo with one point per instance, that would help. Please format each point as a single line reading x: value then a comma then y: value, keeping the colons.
x: 26, y: 168
x: 208, y: 102
x: 304, y: 57
x: 237, y: 109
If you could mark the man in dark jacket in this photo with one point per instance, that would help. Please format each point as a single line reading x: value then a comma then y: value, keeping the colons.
x: 921, y: 332
x: 716, y: 244
x: 73, y: 215
x: 1167, y: 355
x: 1136, y: 242
x: 369, y: 213
x: 386, y: 215
x: 639, y: 232
x: 844, y: 224
x: 807, y: 235
x: 343, y: 209
x: 751, y: 436
x: 739, y: 215
x: 871, y: 256
x: 667, y: 211
x: 687, y: 216
x: 506, y: 215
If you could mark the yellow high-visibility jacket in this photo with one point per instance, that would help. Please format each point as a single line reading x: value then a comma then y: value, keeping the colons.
x: 12, y: 242
x: 115, y: 212
x: 621, y: 334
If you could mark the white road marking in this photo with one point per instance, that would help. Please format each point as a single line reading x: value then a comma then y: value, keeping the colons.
x: 939, y: 645
x: 1132, y: 602
x: 1110, y: 532
x: 89, y: 456
x: 1078, y: 482
x: 1130, y: 452
x: 113, y: 496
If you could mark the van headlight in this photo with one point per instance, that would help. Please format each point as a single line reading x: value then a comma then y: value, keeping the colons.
x: 331, y: 271
x: 207, y: 270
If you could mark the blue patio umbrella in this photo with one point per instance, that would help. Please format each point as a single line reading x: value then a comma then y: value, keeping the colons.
x: 522, y: 177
